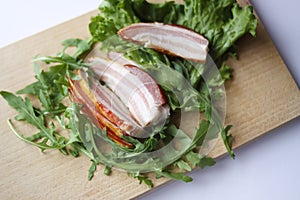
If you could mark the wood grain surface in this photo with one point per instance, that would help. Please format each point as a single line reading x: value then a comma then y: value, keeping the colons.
x: 261, y: 96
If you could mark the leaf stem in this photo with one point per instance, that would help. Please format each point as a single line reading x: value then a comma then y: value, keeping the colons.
x: 41, y: 146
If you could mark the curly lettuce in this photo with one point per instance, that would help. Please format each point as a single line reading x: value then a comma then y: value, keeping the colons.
x: 221, y: 22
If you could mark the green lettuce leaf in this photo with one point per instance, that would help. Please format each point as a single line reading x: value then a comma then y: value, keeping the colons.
x: 114, y: 15
x: 221, y: 22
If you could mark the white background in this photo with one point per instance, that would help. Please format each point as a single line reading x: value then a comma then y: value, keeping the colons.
x: 267, y: 168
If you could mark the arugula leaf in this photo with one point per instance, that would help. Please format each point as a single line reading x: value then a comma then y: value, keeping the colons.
x: 225, y: 71
x: 227, y: 139
x: 177, y: 176
x: 107, y: 170
x: 197, y: 160
x: 141, y: 179
x: 92, y: 170
x: 82, y: 46
x: 51, y: 89
x: 33, y: 137
x: 74, y: 153
x: 181, y: 164
x: 27, y: 113
x: 193, y: 158
x: 42, y: 145
x: 206, y: 162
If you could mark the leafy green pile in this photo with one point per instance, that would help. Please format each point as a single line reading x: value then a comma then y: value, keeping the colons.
x: 221, y: 22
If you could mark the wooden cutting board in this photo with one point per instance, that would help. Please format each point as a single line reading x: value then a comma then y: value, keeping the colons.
x: 261, y: 96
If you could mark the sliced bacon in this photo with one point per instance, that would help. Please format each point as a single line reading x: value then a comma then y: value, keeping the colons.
x: 159, y: 113
x: 106, y: 103
x: 114, y: 132
x: 123, y: 99
x: 136, y: 88
x: 171, y: 39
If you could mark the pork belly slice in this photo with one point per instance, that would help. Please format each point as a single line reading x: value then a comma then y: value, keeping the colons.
x: 136, y: 88
x: 171, y: 39
x: 101, y: 117
x: 121, y: 98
